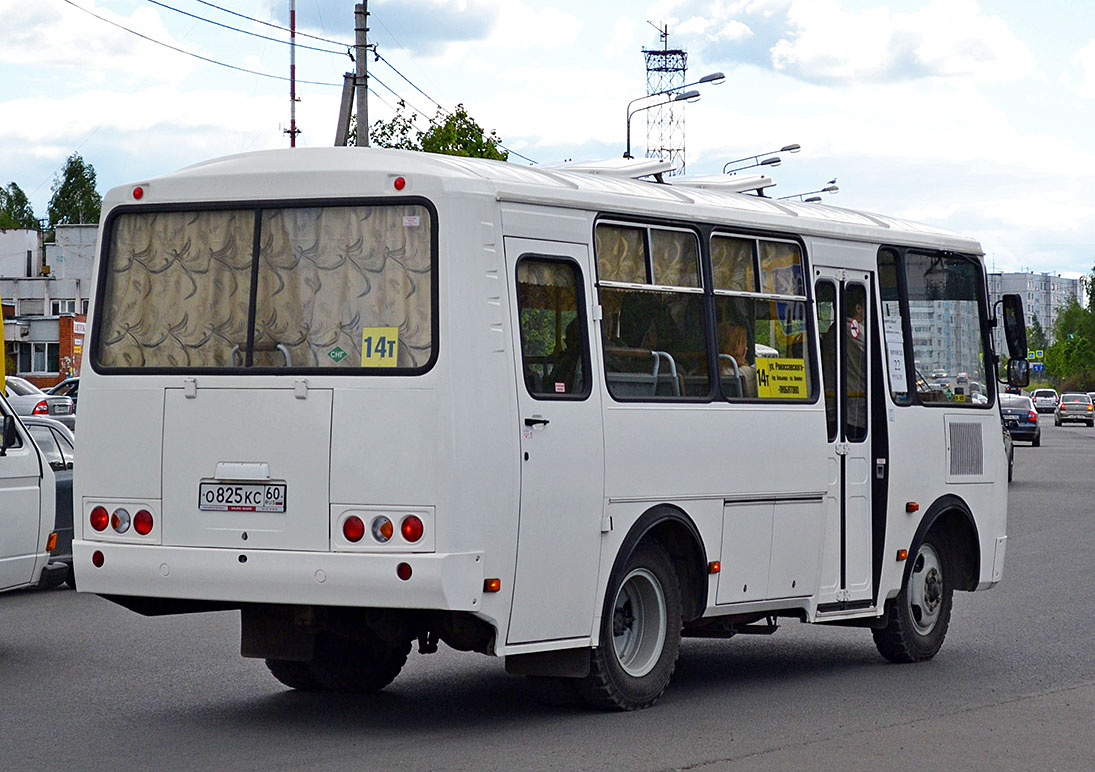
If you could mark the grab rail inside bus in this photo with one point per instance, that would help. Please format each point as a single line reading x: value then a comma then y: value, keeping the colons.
x: 263, y: 347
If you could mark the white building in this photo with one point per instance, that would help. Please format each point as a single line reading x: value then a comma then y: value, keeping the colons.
x: 1043, y: 295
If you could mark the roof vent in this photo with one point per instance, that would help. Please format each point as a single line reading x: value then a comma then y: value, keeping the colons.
x: 627, y: 168
x: 729, y: 183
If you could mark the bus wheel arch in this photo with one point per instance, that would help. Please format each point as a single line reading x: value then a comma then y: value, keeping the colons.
x: 671, y: 527
x: 653, y: 587
x: 944, y: 556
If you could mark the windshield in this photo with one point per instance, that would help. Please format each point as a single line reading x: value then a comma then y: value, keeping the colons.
x: 293, y: 288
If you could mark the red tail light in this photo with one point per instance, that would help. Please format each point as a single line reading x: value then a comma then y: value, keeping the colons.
x: 142, y: 522
x: 353, y: 528
x: 100, y: 518
x: 1033, y: 416
x: 412, y: 528
x: 41, y: 408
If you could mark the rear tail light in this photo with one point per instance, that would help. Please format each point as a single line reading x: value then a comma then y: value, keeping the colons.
x: 353, y: 528
x: 382, y: 529
x: 142, y: 522
x: 411, y: 528
x: 100, y: 518
x: 1033, y: 415
x: 120, y: 520
x: 41, y: 408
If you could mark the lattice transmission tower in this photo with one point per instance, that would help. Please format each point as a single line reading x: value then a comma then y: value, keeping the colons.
x: 665, y: 71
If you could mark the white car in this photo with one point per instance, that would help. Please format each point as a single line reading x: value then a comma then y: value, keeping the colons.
x: 26, y: 516
x: 1045, y: 400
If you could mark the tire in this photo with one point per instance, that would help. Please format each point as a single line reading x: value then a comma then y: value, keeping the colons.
x: 920, y: 614
x: 1011, y: 468
x: 640, y: 634
x: 70, y: 580
x: 345, y: 665
x: 1056, y: 421
x: 295, y: 675
x: 1036, y: 442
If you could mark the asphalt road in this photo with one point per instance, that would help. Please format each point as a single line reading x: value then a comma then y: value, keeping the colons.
x: 86, y: 685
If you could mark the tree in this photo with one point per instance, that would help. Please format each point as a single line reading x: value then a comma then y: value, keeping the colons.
x: 75, y: 199
x: 15, y: 209
x: 1036, y: 336
x: 454, y: 133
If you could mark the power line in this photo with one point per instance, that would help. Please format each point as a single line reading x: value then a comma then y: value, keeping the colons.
x: 243, y: 31
x: 196, y: 56
x: 275, y: 26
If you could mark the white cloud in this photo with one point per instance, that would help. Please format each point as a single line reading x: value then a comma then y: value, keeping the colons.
x: 1083, y: 84
x: 942, y: 38
x: 554, y: 29
x: 623, y: 38
x: 47, y: 35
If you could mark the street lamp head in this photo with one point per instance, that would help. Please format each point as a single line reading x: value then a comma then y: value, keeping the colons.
x: 714, y: 78
x: 830, y: 189
x: 773, y: 161
x: 687, y: 96
x: 790, y: 148
x: 813, y: 200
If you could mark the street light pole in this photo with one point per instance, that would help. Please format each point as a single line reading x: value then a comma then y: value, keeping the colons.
x: 830, y: 188
x: 712, y: 79
x: 774, y: 161
x: 686, y: 96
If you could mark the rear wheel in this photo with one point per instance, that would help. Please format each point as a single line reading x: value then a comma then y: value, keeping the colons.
x: 640, y: 634
x: 295, y: 675
x: 345, y: 665
x: 921, y: 612
x: 1036, y: 442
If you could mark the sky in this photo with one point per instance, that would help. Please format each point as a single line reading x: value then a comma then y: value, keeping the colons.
x: 970, y: 115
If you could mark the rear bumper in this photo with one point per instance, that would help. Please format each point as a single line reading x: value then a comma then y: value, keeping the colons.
x: 449, y: 581
x: 1025, y: 434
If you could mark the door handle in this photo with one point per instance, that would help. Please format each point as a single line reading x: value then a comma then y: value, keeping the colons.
x: 536, y: 420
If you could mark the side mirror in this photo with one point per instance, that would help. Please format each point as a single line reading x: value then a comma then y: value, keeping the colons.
x: 1015, y: 328
x: 10, y: 437
x: 1018, y: 372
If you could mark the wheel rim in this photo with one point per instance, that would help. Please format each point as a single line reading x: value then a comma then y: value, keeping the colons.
x: 926, y: 590
x: 639, y: 623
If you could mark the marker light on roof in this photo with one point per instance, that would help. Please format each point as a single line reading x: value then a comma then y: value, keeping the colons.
x: 138, y: 193
x: 399, y: 183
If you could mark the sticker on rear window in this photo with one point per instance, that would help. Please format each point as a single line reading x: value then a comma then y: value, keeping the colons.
x: 379, y: 346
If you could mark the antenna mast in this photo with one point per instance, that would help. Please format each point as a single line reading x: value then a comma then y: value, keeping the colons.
x: 292, y: 131
x: 665, y: 71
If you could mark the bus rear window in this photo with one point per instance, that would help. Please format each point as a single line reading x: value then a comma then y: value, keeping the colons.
x: 299, y: 288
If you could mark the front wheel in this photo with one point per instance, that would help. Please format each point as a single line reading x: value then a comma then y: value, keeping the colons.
x: 921, y: 612
x: 640, y: 634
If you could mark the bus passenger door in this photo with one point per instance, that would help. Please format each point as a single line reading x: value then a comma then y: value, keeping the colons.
x: 562, y: 448
x: 843, y: 304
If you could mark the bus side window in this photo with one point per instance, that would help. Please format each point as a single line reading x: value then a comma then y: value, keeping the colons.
x: 554, y: 352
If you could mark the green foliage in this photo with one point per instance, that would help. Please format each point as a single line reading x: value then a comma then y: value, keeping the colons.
x: 1036, y: 336
x: 15, y: 209
x: 454, y: 133
x: 1070, y: 361
x: 75, y: 199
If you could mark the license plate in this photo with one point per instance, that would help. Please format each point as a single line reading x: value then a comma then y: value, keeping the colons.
x: 241, y: 497
x: 60, y: 409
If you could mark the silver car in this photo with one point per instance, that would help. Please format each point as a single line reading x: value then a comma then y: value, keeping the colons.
x: 1045, y: 400
x: 27, y: 399
x: 1074, y: 406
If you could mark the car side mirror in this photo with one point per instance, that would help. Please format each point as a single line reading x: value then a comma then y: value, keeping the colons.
x: 1015, y: 327
x: 1018, y: 372
x: 9, y: 437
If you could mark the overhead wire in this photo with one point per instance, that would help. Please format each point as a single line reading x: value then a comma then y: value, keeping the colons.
x: 246, y: 32
x: 275, y: 26
x: 197, y: 56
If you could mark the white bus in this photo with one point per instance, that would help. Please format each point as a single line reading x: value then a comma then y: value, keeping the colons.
x: 563, y: 417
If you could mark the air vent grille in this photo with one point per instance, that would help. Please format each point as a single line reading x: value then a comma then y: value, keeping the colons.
x: 967, y: 449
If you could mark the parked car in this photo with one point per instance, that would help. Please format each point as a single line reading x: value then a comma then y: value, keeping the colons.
x: 1009, y: 447
x: 27, y: 514
x: 57, y: 445
x: 67, y: 388
x: 28, y: 400
x: 1021, y: 418
x: 1074, y: 406
x: 1045, y: 400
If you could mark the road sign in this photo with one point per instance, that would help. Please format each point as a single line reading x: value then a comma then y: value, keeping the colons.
x: 1037, y: 367
x: 1039, y: 354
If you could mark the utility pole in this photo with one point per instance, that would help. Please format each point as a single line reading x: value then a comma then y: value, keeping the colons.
x: 361, y: 51
x: 292, y: 131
